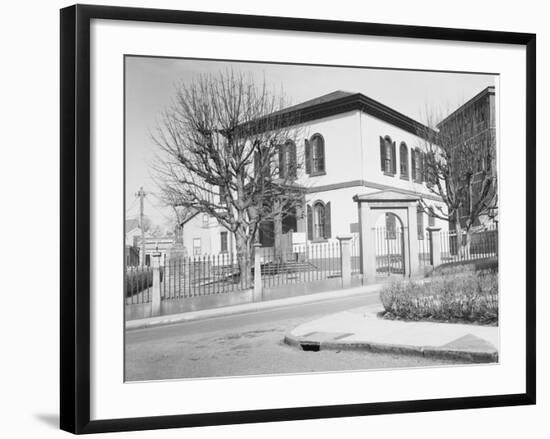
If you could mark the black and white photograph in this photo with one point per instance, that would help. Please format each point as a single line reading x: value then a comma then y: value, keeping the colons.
x: 286, y: 218
x: 275, y: 219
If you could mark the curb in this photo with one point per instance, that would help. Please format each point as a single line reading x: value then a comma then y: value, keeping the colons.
x: 151, y: 322
x: 422, y: 351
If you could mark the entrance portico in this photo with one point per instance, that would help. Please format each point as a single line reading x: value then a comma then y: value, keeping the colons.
x: 370, y: 208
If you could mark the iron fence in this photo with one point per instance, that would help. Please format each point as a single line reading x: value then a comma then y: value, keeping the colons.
x: 201, y: 276
x: 483, y: 244
x: 305, y: 263
x: 424, y: 250
x: 139, y: 283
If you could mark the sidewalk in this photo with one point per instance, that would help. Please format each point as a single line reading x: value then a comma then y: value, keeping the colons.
x: 362, y: 329
x: 250, y: 307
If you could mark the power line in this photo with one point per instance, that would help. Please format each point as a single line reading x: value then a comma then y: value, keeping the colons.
x: 132, y: 205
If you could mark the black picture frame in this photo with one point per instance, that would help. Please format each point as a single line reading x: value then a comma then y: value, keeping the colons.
x: 75, y: 217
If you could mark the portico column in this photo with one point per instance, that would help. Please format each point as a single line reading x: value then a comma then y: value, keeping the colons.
x: 345, y: 260
x: 155, y: 300
x: 414, y: 267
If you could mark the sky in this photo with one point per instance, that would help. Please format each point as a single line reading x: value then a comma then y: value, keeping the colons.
x: 151, y: 83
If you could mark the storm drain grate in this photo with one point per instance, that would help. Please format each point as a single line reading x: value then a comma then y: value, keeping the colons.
x: 313, y: 346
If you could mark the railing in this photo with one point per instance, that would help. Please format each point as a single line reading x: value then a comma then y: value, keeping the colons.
x: 200, y: 276
x: 306, y: 263
x: 483, y: 244
x: 219, y: 274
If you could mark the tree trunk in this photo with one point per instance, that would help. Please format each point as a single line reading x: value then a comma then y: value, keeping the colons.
x: 244, y: 259
x: 463, y: 245
x: 466, y: 249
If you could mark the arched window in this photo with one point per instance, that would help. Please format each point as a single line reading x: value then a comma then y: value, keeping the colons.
x: 318, y: 221
x: 417, y: 165
x: 387, y: 155
x: 317, y: 145
x: 404, y: 160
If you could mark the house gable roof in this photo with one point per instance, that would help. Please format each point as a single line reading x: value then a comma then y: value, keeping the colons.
x: 131, y: 224
x: 192, y: 214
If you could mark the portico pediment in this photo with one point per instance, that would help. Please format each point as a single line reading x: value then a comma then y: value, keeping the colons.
x: 387, y: 196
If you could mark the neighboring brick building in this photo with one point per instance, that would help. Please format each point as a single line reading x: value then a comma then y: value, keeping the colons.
x: 475, y: 123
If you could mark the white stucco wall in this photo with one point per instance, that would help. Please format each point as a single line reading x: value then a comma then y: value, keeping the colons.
x: 342, y: 140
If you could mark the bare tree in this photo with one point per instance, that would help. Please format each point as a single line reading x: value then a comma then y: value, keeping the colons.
x: 459, y: 166
x: 221, y: 145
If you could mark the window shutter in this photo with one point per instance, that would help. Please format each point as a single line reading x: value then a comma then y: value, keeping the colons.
x: 291, y: 149
x: 282, y: 161
x: 328, y: 231
x: 422, y: 172
x: 309, y: 223
x: 308, y: 156
x: 403, y: 158
x: 393, y: 160
x: 413, y: 165
x: 382, y: 154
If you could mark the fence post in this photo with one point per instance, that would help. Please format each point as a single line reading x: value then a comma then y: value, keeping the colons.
x: 257, y: 274
x: 166, y: 277
x: 435, y: 246
x: 155, y: 302
x: 345, y: 260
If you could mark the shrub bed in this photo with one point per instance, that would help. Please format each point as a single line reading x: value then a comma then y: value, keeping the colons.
x: 457, y: 297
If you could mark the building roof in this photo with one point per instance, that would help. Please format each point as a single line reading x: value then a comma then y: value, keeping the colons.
x: 192, y: 214
x: 131, y: 224
x: 318, y: 100
x: 340, y: 101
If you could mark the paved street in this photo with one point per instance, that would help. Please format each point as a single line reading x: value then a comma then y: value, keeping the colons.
x: 248, y: 344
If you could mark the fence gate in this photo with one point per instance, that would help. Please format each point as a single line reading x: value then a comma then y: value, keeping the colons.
x: 390, y: 247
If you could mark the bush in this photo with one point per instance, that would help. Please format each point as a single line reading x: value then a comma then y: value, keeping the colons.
x: 458, y: 296
x: 139, y: 279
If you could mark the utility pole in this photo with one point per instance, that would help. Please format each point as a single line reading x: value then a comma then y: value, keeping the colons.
x: 141, y: 195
